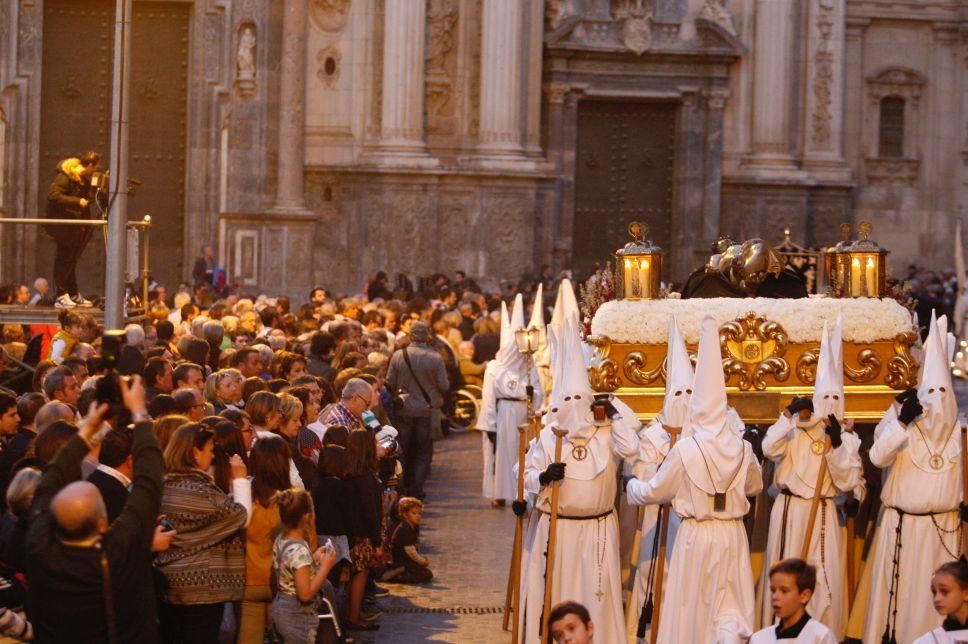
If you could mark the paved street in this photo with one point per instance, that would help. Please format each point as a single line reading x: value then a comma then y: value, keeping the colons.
x: 468, y: 544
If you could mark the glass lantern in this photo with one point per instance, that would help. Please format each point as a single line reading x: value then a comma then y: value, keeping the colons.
x: 638, y: 266
x: 527, y: 339
x: 865, y: 266
x: 834, y: 266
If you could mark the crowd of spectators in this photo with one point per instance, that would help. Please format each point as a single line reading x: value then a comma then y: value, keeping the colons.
x: 265, y: 463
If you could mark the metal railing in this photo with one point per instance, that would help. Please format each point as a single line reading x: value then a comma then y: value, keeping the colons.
x: 143, y: 227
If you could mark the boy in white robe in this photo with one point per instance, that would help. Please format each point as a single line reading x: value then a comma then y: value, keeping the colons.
x: 504, y: 406
x: 918, y: 528
x: 586, y: 562
x: 708, y: 476
x: 796, y: 443
x: 949, y: 589
x: 655, y: 442
x: 792, y: 585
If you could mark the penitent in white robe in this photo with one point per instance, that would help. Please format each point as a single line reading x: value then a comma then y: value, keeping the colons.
x: 709, y: 592
x: 813, y: 633
x: 928, y: 540
x: 504, y: 406
x: 796, y: 473
x: 586, y: 564
x: 653, y: 448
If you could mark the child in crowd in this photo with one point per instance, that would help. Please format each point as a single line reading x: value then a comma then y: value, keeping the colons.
x: 66, y: 338
x: 570, y: 623
x: 408, y: 565
x: 300, y: 572
x: 792, y: 583
x: 949, y: 587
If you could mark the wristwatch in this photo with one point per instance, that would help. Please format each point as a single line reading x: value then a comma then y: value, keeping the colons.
x: 140, y: 418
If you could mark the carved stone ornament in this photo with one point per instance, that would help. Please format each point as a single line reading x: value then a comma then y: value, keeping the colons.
x: 753, y: 347
x: 902, y: 368
x: 716, y: 11
x: 870, y: 367
x: 823, y: 74
x: 603, y: 372
x: 892, y: 171
x: 896, y: 81
x: 441, y: 20
x: 329, y: 16
x: 328, y: 63
x: 637, y: 32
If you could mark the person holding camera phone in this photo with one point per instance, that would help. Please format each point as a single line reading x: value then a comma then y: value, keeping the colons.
x: 69, y: 197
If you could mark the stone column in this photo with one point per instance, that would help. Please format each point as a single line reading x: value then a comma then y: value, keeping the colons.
x: 773, y: 69
x: 502, y: 64
x: 402, y: 129
x: 292, y: 119
x: 823, y: 150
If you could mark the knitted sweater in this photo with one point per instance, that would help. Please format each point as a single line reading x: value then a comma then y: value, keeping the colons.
x: 206, y: 561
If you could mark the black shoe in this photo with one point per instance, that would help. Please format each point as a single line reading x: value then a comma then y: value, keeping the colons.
x: 359, y: 626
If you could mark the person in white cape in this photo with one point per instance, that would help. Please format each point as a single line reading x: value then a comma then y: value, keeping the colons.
x: 796, y: 443
x: 918, y: 528
x: 708, y: 476
x: 586, y: 563
x: 504, y: 406
x: 653, y: 448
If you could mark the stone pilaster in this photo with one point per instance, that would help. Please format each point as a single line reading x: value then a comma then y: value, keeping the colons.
x: 501, y: 68
x: 402, y: 129
x: 823, y: 153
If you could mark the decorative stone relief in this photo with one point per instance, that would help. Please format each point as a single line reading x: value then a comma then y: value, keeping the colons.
x: 556, y: 92
x: 329, y: 16
x: 245, y: 61
x: 716, y: 97
x: 455, y: 223
x: 716, y: 11
x: 823, y: 59
x: 891, y: 171
x: 507, y: 219
x: 636, y: 30
x: 442, y: 18
x: 211, y: 41
x: 329, y: 65
x: 896, y: 81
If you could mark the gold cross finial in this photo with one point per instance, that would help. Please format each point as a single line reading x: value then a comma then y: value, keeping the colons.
x: 638, y: 231
x: 864, y: 228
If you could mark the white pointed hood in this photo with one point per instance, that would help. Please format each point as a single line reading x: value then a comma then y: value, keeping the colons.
x: 505, y: 326
x: 935, y: 391
x: 571, y: 393
x: 542, y: 356
x: 828, y: 391
x: 679, y: 379
x: 565, y: 305
x: 508, y: 355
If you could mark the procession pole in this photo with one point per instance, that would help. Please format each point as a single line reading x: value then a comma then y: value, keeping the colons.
x: 552, y: 538
x: 663, y: 544
x: 514, y: 579
x: 815, y: 505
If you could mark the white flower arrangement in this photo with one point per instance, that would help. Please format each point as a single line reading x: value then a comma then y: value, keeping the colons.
x: 864, y: 320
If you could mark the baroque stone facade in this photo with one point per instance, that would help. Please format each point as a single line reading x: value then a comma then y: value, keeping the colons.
x: 326, y: 139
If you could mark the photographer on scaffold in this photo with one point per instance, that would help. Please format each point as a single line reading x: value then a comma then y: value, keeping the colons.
x: 69, y: 197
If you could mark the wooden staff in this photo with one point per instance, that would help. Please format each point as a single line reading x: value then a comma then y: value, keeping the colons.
x: 512, y: 600
x: 552, y: 538
x: 851, y: 550
x: 817, y: 493
x: 964, y: 483
x: 663, y: 527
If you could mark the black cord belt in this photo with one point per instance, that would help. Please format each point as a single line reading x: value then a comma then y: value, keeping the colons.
x: 786, y: 492
x: 590, y: 518
x: 920, y: 514
x: 512, y: 400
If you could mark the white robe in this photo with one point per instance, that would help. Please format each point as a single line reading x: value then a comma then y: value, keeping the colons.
x: 709, y: 594
x: 911, y: 485
x: 813, y: 633
x: 502, y: 417
x: 653, y: 448
x: 941, y: 636
x: 797, y: 471
x: 586, y: 565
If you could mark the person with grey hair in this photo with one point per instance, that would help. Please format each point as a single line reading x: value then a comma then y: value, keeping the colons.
x: 42, y: 295
x: 189, y: 403
x: 134, y: 336
x: 357, y: 397
x: 61, y: 385
x: 418, y: 376
x: 52, y: 412
x: 14, y: 524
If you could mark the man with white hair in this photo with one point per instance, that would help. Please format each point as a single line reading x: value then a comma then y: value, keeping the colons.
x: 40, y: 296
x: 796, y: 443
x: 134, y: 335
x: 918, y: 528
x: 708, y: 476
x: 356, y: 397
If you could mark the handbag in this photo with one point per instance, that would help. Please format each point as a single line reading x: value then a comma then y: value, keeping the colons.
x: 436, y: 416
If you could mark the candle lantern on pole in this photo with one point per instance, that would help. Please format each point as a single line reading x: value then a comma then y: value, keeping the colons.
x: 638, y: 266
x: 527, y: 340
x: 864, y: 266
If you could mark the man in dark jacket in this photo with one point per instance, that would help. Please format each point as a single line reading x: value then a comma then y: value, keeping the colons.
x: 114, y: 471
x: 70, y: 545
x: 418, y: 375
x: 69, y: 198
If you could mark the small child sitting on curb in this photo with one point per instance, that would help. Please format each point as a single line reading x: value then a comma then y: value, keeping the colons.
x: 408, y: 565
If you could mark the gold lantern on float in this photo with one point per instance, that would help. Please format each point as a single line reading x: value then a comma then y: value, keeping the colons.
x: 864, y: 266
x: 834, y: 263
x: 638, y: 266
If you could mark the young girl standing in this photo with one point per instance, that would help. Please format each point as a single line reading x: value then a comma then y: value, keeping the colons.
x: 66, y: 338
x: 949, y: 587
x: 300, y: 572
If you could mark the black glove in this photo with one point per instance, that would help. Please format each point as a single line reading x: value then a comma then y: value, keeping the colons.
x: 902, y: 397
x: 555, y: 472
x: 519, y: 507
x: 833, y: 431
x: 799, y: 404
x: 625, y: 482
x: 606, y: 404
x: 752, y: 436
x: 910, y: 409
x: 964, y: 512
x: 851, y: 506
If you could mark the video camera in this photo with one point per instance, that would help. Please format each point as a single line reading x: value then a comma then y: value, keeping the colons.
x: 108, y: 390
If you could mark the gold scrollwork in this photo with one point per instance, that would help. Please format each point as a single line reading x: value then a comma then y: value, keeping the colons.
x: 753, y: 348
x: 870, y: 367
x: 605, y: 376
x: 636, y: 372
x: 902, y: 368
x: 807, y: 366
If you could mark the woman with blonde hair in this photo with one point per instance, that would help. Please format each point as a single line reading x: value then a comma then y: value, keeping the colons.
x: 224, y: 389
x: 165, y: 426
x: 291, y: 412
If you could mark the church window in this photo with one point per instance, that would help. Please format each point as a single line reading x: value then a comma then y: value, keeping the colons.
x: 891, y: 139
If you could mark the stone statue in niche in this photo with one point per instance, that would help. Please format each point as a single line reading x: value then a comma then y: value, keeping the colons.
x: 716, y: 11
x: 329, y: 16
x: 245, y: 61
